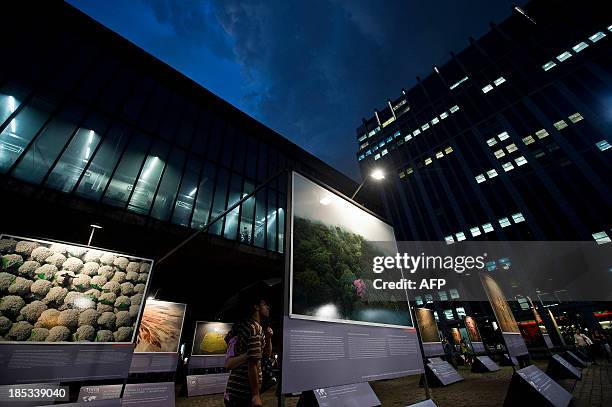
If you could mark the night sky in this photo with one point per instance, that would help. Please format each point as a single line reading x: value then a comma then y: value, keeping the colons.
x: 308, y: 69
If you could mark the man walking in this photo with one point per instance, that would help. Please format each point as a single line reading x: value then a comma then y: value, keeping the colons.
x: 244, y: 383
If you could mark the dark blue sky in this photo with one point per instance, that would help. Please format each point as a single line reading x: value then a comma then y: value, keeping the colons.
x: 309, y: 69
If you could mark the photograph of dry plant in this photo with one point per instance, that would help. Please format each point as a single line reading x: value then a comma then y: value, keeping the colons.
x: 160, y: 327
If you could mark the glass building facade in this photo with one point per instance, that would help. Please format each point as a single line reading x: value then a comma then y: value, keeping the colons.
x: 87, y: 113
x: 508, y: 140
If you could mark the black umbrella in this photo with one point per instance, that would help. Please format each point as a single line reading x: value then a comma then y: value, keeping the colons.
x: 233, y: 307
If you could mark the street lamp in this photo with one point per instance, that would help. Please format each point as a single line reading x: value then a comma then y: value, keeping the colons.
x: 378, y: 175
x: 93, y: 229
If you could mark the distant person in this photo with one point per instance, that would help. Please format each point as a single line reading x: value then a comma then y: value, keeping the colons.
x: 244, y: 383
x: 232, y: 360
x: 465, y: 352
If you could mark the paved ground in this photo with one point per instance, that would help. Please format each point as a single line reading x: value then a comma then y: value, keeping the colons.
x: 477, y: 390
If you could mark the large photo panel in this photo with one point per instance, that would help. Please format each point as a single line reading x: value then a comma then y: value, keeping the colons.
x: 160, y: 327
x: 333, y: 243
x: 58, y: 292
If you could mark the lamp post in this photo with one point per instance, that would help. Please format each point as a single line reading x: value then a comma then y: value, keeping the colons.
x: 377, y: 175
x: 93, y: 229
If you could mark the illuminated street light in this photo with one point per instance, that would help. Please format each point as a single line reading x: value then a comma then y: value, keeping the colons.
x: 378, y: 175
x: 93, y: 229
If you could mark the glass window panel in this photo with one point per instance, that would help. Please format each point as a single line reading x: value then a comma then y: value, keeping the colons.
x: 281, y: 222
x: 260, y: 218
x: 113, y: 94
x: 251, y: 158
x: 272, y: 163
x: 214, y: 140
x: 154, y: 109
x: 76, y: 156
x: 97, y: 175
x: 97, y: 78
x: 137, y: 97
x: 186, y: 126
x: 231, y: 219
x: 263, y: 159
x: 150, y: 175
x: 239, y: 153
x: 246, y: 215
x: 204, y: 196
x: 169, y: 185
x: 228, y: 147
x: 44, y: 150
x: 219, y: 201
x: 172, y: 117
x: 199, y: 141
x: 187, y: 192
x: 123, y: 180
x: 271, y: 219
x: 20, y: 130
x: 11, y: 97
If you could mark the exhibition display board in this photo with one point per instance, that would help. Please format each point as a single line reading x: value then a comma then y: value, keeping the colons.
x: 358, y: 394
x: 209, y: 345
x: 430, y: 334
x: 442, y: 374
x: 559, y: 368
x: 531, y: 386
x: 200, y: 385
x: 575, y: 360
x: 68, y: 311
x: 135, y: 394
x: 337, y: 328
x: 159, y: 335
x: 484, y: 364
x: 510, y: 331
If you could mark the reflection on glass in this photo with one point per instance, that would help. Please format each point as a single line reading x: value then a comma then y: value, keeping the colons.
x: 97, y: 175
x: 123, y: 180
x: 69, y: 168
x: 44, y: 150
x: 246, y: 215
x: 169, y: 185
x: 281, y: 223
x: 231, y: 219
x: 260, y: 218
x: 204, y: 197
x: 219, y: 201
x: 187, y: 192
x: 21, y: 129
x: 142, y: 197
x: 271, y: 220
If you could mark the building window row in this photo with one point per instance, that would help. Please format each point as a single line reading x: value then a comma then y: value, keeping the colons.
x: 601, y: 237
x: 459, y: 82
x: 603, y: 145
x: 565, y: 55
x: 485, y: 228
x: 489, y: 87
x: 402, y: 173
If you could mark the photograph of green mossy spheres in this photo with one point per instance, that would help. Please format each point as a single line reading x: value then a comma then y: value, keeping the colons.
x: 57, y: 292
x: 333, y: 245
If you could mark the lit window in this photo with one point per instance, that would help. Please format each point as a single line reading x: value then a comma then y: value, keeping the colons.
x: 560, y: 125
x: 518, y: 218
x: 382, y: 143
x: 548, y: 65
x: 448, y: 150
x: 409, y: 171
x: 449, y: 240
x: 499, y: 81
x: 416, y: 132
x: 361, y: 157
x: 520, y: 161
x: 384, y: 152
x: 508, y: 166
x: 564, y: 56
x: 480, y: 178
x: 541, y: 133
x: 425, y: 126
x: 601, y: 237
x: 364, y: 145
x: 487, y: 88
x: 442, y: 295
x: 511, y: 148
x: 408, y: 137
x: 419, y: 300
x: 597, y: 36
x: 389, y: 139
x: 475, y: 231
x: 603, y: 145
x: 528, y: 140
x: 499, y: 154
x: 454, y: 109
x: 439, y: 154
x: 492, y: 173
x: 459, y: 82
x: 435, y: 120
x: 491, y: 142
x: 460, y: 236
x: 402, y: 174
x: 448, y: 314
x: 460, y: 311
x: 444, y: 115
x: 576, y: 117
x: 610, y: 28
x: 454, y: 293
x: 428, y: 161
x: 503, y: 136
x: 397, y: 134
x: 487, y: 227
x: 377, y: 156
x: 369, y: 152
x: 504, y: 222
x: 362, y: 138
x: 580, y: 46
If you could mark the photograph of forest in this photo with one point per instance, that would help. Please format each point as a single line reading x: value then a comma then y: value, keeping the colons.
x: 333, y: 244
